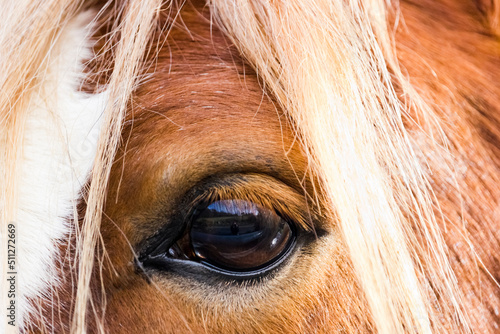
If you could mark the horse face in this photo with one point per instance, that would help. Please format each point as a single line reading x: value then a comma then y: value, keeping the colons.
x: 217, y: 218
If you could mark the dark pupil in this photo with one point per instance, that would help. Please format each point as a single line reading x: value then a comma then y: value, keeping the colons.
x: 239, y: 235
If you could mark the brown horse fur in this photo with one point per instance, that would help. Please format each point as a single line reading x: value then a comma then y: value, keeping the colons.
x: 202, y: 112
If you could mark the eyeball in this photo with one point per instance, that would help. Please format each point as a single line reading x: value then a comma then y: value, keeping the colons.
x: 238, y: 235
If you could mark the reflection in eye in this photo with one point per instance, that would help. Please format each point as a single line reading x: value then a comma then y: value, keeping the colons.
x: 235, y: 235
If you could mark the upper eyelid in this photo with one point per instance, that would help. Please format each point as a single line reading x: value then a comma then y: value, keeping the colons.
x: 263, y: 190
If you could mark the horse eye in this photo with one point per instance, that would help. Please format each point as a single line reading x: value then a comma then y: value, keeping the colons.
x: 236, y: 236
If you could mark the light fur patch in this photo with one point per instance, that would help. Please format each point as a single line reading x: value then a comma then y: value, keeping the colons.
x: 59, y: 149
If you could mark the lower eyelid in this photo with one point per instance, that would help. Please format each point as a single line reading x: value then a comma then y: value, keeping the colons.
x: 183, y: 271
